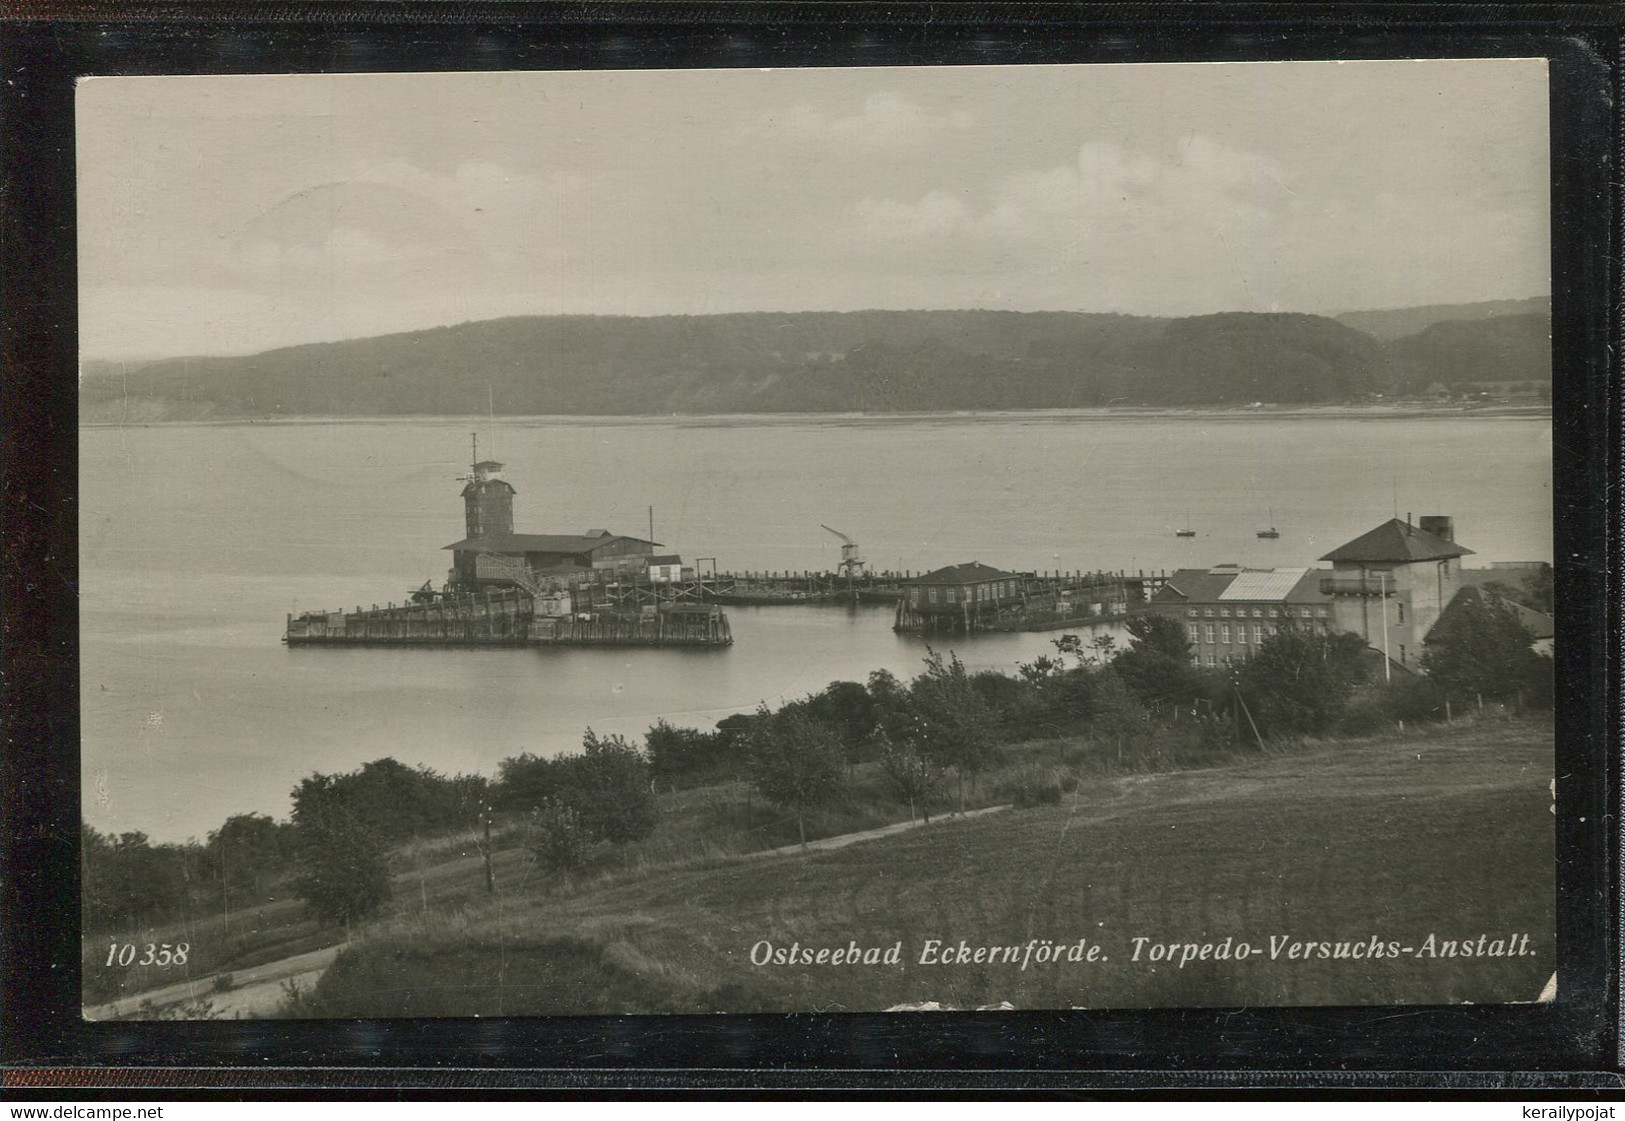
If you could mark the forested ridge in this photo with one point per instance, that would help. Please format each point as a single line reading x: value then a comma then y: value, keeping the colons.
x: 871, y: 361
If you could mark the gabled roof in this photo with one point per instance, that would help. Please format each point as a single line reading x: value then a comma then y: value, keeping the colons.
x: 1227, y: 584
x: 1198, y: 585
x: 1537, y: 624
x: 1263, y: 583
x: 1396, y: 542
x: 666, y: 558
x: 973, y: 573
x: 539, y: 543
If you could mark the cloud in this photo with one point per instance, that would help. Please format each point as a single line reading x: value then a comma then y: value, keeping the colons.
x: 1106, y: 191
x: 936, y: 215
x: 887, y: 120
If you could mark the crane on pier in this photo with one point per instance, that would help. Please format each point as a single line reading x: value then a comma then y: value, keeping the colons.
x: 851, y: 563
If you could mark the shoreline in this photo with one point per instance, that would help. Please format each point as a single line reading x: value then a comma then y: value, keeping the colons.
x: 1406, y: 411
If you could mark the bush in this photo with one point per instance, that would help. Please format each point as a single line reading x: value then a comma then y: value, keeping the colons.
x: 392, y: 801
x: 344, y: 874
x: 526, y: 781
x: 1415, y: 700
x: 558, y: 840
x: 1364, y: 716
x: 678, y: 755
x: 847, y: 709
x: 1300, y: 680
x: 608, y: 789
x: 1032, y: 785
x: 1157, y: 666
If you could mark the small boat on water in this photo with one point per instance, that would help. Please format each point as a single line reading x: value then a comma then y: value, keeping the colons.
x: 1187, y: 531
x: 1271, y: 532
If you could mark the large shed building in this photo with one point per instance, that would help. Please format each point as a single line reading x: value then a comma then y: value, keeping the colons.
x: 1228, y: 610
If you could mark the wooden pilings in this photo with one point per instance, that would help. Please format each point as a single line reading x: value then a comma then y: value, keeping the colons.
x: 503, y: 617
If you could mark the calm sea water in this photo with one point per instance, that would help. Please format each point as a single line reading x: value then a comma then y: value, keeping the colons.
x: 196, y: 541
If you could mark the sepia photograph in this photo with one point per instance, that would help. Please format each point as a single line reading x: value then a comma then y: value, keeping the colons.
x: 851, y: 539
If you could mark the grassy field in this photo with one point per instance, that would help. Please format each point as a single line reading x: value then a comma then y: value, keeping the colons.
x: 1447, y: 833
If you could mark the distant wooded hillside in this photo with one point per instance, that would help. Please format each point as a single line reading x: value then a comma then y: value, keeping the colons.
x: 875, y: 361
x: 1513, y: 348
x: 1388, y: 324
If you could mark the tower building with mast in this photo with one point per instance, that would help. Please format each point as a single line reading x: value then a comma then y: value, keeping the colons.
x: 487, y: 498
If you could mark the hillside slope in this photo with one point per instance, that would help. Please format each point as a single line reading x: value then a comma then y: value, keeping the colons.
x: 872, y: 361
x: 1388, y: 324
x: 1445, y: 834
x: 802, y: 362
x: 1514, y: 348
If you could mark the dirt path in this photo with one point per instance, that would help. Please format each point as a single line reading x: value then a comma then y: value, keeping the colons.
x: 826, y: 843
x: 258, y: 990
x: 255, y: 991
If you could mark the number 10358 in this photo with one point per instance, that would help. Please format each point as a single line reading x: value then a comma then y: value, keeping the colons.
x: 153, y: 953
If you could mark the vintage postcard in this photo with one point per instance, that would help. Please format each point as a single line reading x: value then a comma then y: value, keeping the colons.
x: 850, y: 539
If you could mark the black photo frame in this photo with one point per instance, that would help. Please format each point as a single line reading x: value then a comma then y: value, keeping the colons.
x: 1567, y: 1045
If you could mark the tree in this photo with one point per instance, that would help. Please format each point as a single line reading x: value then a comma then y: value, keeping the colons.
x: 1480, y: 647
x: 1300, y: 679
x: 1117, y: 713
x: 395, y: 802
x: 129, y: 881
x: 848, y: 709
x: 344, y: 872
x: 914, y: 775
x: 604, y: 794
x: 247, y: 853
x: 1157, y: 665
x: 949, y: 720
x: 796, y: 763
x: 557, y: 839
x: 1537, y: 588
x: 608, y: 787
x: 525, y: 782
x: 684, y: 753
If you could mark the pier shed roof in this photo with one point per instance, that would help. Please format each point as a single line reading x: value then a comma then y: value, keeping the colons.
x: 973, y: 573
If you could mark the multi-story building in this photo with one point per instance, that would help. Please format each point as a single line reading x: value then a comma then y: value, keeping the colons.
x: 1391, y: 584
x: 959, y: 597
x: 490, y: 553
x: 1228, y: 611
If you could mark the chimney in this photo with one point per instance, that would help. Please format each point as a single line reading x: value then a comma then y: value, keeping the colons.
x: 1407, y: 523
x: 1440, y: 526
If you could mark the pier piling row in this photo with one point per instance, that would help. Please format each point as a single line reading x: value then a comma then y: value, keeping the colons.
x: 503, y: 617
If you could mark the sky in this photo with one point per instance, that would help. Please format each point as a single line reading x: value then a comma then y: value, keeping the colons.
x: 228, y: 215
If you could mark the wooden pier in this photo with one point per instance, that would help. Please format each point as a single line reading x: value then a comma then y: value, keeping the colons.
x: 1043, y: 601
x: 507, y: 617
